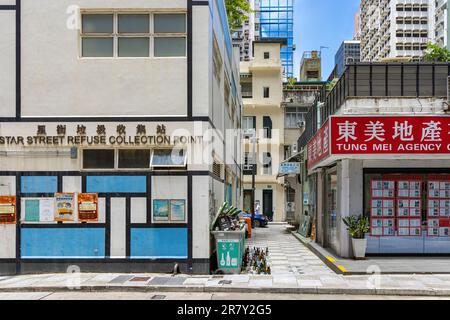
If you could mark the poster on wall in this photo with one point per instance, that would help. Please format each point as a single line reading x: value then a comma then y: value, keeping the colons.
x: 88, y: 207
x: 7, y: 209
x: 64, y: 206
x: 177, y: 210
x: 438, y: 210
x: 161, y: 210
x: 38, y: 209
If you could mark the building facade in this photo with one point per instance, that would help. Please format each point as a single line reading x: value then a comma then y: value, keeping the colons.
x: 106, y: 118
x: 262, y: 92
x: 396, y: 28
x: 244, y: 36
x: 442, y: 19
x: 311, y: 66
x: 349, y: 52
x: 298, y: 99
x: 275, y: 19
x: 379, y: 146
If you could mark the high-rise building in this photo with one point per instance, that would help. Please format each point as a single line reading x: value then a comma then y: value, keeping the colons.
x: 442, y: 19
x: 244, y: 36
x: 275, y: 19
x: 348, y: 52
x: 396, y: 28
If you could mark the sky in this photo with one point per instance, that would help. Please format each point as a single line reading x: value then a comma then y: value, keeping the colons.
x: 322, y: 23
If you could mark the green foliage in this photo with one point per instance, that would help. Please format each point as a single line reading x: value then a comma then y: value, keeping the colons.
x: 237, y: 11
x: 357, y: 226
x: 292, y: 80
x: 434, y: 53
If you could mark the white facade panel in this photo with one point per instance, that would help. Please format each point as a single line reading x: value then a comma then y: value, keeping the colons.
x: 93, y: 86
x: 7, y: 62
x: 138, y: 210
x: 7, y: 241
x: 118, y: 228
x: 72, y: 184
x: 200, y: 203
x: 7, y: 185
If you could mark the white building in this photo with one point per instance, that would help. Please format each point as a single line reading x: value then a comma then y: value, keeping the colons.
x: 441, y: 22
x: 396, y: 28
x: 113, y: 103
x: 245, y: 35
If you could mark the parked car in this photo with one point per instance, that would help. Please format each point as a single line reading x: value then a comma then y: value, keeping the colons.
x: 259, y: 221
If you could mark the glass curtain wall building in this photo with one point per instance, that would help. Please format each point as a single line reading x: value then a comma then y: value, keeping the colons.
x: 276, y: 20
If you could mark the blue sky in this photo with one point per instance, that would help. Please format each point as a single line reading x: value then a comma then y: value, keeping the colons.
x: 322, y: 23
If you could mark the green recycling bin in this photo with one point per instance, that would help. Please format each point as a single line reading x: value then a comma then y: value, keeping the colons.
x: 230, y: 247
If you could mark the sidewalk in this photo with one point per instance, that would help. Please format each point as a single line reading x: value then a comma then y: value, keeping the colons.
x: 407, y: 285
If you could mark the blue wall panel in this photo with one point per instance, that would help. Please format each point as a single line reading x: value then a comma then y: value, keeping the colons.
x: 119, y: 184
x: 162, y: 243
x: 39, y: 184
x: 63, y: 243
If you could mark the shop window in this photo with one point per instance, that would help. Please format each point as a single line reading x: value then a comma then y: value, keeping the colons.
x: 168, y: 158
x: 98, y: 159
x: 134, y: 159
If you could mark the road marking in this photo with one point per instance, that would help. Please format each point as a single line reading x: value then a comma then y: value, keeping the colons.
x: 342, y: 269
x: 331, y: 259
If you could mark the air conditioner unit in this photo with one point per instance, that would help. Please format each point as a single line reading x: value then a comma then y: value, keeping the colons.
x: 249, y: 133
x: 290, y: 206
x: 294, y: 148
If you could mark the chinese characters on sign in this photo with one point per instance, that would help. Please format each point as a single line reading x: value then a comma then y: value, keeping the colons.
x: 398, y: 135
x: 98, y: 134
x: 358, y: 135
x: 319, y: 146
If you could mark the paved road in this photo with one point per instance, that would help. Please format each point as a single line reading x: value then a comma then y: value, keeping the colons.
x: 190, y: 296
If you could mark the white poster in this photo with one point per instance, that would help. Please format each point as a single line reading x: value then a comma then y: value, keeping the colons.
x: 47, y: 210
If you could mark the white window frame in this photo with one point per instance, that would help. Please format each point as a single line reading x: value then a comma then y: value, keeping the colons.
x: 151, y: 35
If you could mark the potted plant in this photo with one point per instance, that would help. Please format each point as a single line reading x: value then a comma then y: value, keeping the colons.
x: 358, y: 226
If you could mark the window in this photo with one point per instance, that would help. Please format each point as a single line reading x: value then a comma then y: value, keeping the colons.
x: 266, y: 55
x: 168, y: 158
x: 266, y: 92
x: 267, y: 163
x: 98, y: 159
x: 248, y: 123
x: 168, y: 28
x: 134, y: 158
x: 217, y: 61
x: 267, y: 125
x: 127, y: 35
x: 294, y: 117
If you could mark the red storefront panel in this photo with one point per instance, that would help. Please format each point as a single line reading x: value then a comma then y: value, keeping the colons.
x: 319, y: 146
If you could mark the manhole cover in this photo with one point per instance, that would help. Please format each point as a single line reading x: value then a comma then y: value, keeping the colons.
x: 140, y: 279
x: 158, y: 297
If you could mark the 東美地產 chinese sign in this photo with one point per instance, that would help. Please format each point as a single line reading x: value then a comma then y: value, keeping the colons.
x: 356, y: 135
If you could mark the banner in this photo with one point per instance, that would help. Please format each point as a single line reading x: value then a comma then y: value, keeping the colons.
x: 7, y: 209
x: 87, y: 207
x: 378, y: 134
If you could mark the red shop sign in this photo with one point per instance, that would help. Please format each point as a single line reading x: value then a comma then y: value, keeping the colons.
x: 358, y: 135
x: 390, y: 135
x: 319, y: 146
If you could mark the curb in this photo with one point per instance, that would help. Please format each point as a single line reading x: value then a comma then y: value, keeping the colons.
x: 280, y: 290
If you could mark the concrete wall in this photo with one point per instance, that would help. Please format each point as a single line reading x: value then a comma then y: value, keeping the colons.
x: 7, y: 62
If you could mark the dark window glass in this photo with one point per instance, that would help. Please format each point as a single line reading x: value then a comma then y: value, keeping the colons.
x: 134, y: 159
x: 168, y: 158
x: 266, y: 92
x: 266, y: 55
x: 98, y: 159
